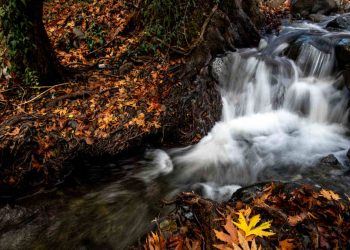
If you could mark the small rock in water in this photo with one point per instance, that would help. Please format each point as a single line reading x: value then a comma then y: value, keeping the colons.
x: 330, y: 160
x: 263, y: 44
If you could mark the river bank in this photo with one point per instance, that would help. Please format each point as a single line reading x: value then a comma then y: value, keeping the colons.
x: 89, y: 177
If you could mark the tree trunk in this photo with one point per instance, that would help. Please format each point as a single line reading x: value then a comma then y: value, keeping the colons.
x: 42, y: 58
x: 37, y: 56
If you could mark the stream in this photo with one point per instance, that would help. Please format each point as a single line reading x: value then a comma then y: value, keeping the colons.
x: 285, y: 117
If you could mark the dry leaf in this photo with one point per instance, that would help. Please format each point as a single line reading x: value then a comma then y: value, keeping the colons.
x: 287, y: 244
x: 231, y: 237
x: 251, y: 229
x: 294, y: 220
x: 330, y: 195
x: 14, y: 132
x: 155, y: 242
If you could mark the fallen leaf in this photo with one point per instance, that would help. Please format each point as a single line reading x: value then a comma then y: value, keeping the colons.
x: 287, y: 244
x: 296, y: 219
x: 14, y: 132
x: 329, y: 195
x: 232, y: 236
x: 155, y: 242
x: 251, y: 229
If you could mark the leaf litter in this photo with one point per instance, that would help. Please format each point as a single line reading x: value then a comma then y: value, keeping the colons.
x: 282, y: 216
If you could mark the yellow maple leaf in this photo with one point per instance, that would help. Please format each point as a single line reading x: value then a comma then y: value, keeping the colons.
x: 251, y: 228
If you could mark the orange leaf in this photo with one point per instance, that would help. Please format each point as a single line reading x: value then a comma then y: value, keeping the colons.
x: 155, y: 242
x: 231, y: 229
x: 329, y: 195
x: 14, y: 132
x: 287, y: 244
x: 294, y: 220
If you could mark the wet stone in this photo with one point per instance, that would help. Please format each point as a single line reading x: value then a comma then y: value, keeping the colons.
x: 342, y: 22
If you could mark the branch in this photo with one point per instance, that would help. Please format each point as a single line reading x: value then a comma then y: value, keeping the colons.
x: 187, y: 51
x: 42, y: 94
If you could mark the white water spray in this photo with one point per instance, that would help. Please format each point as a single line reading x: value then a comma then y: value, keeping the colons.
x: 276, y: 113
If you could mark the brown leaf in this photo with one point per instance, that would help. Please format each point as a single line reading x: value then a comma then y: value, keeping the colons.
x: 224, y: 237
x: 222, y: 247
x: 176, y: 242
x: 14, y: 132
x: 231, y: 229
x: 296, y: 219
x: 89, y: 141
x: 192, y: 245
x: 287, y: 244
x: 155, y: 242
x: 243, y: 242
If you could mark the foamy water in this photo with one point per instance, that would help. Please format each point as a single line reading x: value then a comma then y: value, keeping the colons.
x: 276, y: 113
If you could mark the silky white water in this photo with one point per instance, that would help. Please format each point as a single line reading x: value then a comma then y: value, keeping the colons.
x: 277, y: 113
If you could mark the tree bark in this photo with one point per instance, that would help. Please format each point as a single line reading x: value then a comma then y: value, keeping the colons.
x: 39, y: 57
x: 42, y: 58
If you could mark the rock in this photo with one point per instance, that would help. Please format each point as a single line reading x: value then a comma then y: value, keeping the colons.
x: 341, y: 22
x: 252, y: 9
x: 306, y: 7
x: 346, y: 76
x: 297, y: 6
x: 317, y: 17
x: 342, y: 52
x: 194, y: 114
x: 324, y: 7
x: 330, y: 160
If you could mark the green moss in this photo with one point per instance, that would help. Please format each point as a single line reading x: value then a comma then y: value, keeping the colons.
x: 15, y: 28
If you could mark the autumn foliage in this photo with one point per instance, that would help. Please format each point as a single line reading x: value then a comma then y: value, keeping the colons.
x: 111, y: 99
x: 272, y: 216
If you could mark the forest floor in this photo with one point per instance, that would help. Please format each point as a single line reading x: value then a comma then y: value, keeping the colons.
x: 265, y: 216
x: 112, y: 99
x: 109, y: 94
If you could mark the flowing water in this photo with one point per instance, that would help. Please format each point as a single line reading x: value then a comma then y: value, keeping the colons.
x: 280, y: 117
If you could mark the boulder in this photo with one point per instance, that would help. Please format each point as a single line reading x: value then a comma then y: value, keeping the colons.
x: 299, y: 6
x: 324, y: 6
x: 342, y: 52
x: 341, y: 22
x: 306, y: 7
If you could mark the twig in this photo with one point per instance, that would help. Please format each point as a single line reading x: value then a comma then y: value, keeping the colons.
x: 6, y: 90
x: 74, y: 95
x: 187, y: 51
x: 43, y: 93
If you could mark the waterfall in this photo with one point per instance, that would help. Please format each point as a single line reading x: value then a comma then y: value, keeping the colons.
x: 277, y: 112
